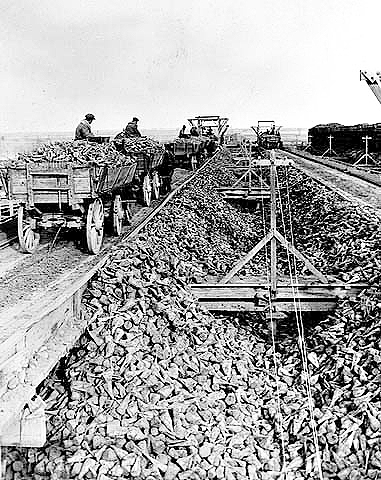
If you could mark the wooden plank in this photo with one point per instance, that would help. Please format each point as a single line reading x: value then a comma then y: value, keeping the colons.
x: 287, y: 307
x: 82, y: 186
x: 233, y: 307
x: 305, y: 306
x: 283, y: 294
x: 51, y: 182
x: 217, y: 293
x: 246, y: 259
x: 300, y: 256
x: 55, y: 312
x: 52, y: 197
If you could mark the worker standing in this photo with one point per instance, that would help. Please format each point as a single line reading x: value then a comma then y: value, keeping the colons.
x: 83, y: 130
x: 132, y: 129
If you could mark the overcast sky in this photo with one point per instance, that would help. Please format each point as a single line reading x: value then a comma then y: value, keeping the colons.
x: 293, y: 61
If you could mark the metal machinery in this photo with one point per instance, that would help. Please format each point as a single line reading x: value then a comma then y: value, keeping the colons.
x: 189, y: 150
x: 268, y: 135
x: 373, y: 81
x: 208, y: 125
x: 273, y: 293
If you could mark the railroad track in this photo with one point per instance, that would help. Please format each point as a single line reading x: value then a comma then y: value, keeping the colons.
x: 46, y: 327
x: 354, y: 187
x: 367, y: 174
x: 7, y: 230
x: 6, y: 243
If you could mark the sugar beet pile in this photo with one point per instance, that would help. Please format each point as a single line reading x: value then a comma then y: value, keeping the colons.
x: 158, y: 389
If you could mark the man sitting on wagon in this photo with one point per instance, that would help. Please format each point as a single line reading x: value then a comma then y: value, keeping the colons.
x: 83, y: 131
x: 194, y: 132
x: 132, y: 129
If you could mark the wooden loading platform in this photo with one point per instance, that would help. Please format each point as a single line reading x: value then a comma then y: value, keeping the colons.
x: 250, y: 186
x: 274, y: 293
x: 36, y: 334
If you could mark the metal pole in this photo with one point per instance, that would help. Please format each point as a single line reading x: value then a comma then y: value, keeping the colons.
x: 249, y: 157
x: 366, y: 156
x: 273, y: 258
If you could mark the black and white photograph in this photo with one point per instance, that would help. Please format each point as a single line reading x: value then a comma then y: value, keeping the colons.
x: 190, y: 240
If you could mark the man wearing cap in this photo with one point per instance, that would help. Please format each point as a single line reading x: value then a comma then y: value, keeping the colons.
x: 132, y: 129
x: 83, y: 131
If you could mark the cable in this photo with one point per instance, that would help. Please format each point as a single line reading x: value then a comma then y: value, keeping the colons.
x: 298, y: 313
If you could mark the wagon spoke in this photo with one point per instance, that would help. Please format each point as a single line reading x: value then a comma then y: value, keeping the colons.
x: 29, y: 239
x: 94, y: 226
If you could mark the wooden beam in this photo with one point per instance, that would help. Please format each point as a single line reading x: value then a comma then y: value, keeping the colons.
x: 300, y: 256
x: 246, y: 258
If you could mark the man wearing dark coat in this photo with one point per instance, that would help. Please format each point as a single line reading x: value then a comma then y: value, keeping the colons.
x: 132, y: 129
x: 83, y: 131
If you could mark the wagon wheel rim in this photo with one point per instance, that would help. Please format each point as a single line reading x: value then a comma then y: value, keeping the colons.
x: 194, y: 162
x: 156, y: 185
x: 29, y: 238
x: 95, y: 226
x: 117, y: 215
x: 147, y: 190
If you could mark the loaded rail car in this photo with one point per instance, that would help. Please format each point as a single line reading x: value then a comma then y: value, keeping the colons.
x: 64, y: 195
x: 345, y: 138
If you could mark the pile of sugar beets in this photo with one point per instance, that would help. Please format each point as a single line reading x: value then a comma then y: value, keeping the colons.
x: 79, y: 153
x: 157, y: 388
x: 82, y: 153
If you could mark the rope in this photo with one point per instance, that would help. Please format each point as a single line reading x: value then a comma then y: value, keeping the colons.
x: 299, y: 322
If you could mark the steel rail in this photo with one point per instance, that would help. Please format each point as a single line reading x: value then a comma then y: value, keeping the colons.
x: 7, y: 242
x: 340, y: 166
x: 350, y: 197
x: 35, y: 336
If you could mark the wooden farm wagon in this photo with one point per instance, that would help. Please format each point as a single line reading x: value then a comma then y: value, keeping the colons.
x: 66, y: 195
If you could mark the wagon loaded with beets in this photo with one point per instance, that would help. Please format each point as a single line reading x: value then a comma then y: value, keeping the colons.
x: 80, y: 185
x: 153, y: 166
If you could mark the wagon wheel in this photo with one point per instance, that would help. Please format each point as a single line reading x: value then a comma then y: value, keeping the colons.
x: 29, y: 238
x: 194, y: 162
x: 147, y: 190
x: 94, y: 226
x: 117, y: 215
x: 156, y: 185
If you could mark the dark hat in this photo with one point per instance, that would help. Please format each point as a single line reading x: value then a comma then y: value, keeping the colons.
x: 89, y: 116
x: 135, y: 119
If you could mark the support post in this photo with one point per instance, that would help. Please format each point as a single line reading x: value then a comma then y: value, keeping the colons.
x: 273, y: 256
x: 366, y: 156
x: 329, y: 150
